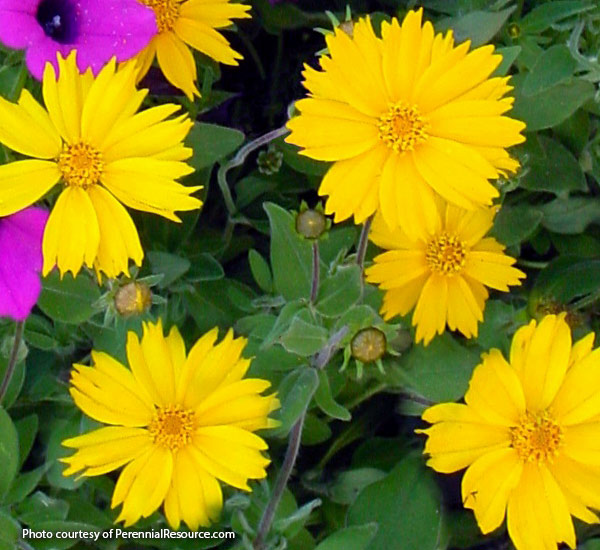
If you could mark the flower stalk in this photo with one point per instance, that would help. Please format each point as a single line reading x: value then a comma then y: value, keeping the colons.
x: 12, y: 361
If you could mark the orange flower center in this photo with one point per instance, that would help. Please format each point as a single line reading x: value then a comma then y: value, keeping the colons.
x: 537, y: 437
x: 446, y: 254
x: 81, y: 165
x: 172, y: 427
x: 166, y: 12
x: 402, y: 127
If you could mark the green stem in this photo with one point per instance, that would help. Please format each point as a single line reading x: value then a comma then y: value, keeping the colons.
x: 282, y: 479
x: 363, y: 242
x: 239, y: 159
x: 531, y: 264
x: 12, y: 361
x: 314, y: 287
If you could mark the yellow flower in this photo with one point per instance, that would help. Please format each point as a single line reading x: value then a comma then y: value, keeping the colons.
x: 90, y: 138
x: 177, y: 424
x: 183, y: 23
x: 443, y: 273
x: 529, y: 434
x: 404, y: 117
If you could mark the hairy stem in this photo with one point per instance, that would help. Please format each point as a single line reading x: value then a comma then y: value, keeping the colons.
x: 239, y: 159
x: 314, y: 287
x: 361, y: 250
x: 282, y: 479
x: 12, y: 361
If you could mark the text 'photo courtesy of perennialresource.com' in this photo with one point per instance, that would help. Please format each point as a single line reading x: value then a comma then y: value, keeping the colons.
x: 299, y: 274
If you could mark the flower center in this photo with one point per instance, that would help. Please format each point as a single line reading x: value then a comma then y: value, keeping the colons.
x: 166, y: 12
x: 81, y: 165
x: 172, y: 427
x: 402, y: 127
x: 446, y: 254
x: 537, y: 437
x: 58, y: 20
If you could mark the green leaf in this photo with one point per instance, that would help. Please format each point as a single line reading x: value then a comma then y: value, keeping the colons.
x: 514, y: 224
x: 509, y: 56
x: 567, y: 278
x: 499, y: 322
x: 10, y: 530
x: 339, y: 292
x: 27, y: 428
x: 440, y: 371
x: 406, y: 505
x: 287, y: 313
x: 554, y: 66
x: 571, y: 215
x: 54, y: 526
x: 260, y: 271
x: 478, y: 26
x: 295, y: 392
x: 9, y: 452
x: 550, y: 107
x: 39, y: 333
x: 303, y: 338
x: 545, y: 15
x: 23, y: 485
x: 171, y: 266
x: 16, y: 382
x: 301, y: 163
x: 351, y: 538
x: 350, y: 483
x: 324, y: 399
x: 291, y: 255
x: 212, y: 143
x: 551, y: 167
x: 204, y: 267
x: 316, y: 431
x: 68, y: 300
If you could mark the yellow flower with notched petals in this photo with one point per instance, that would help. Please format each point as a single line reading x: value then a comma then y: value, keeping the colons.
x: 189, y: 22
x: 90, y: 138
x: 442, y: 273
x: 529, y: 436
x: 177, y: 424
x: 404, y: 117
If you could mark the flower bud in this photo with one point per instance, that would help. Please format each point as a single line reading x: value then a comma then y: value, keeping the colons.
x: 311, y: 224
x: 133, y: 299
x: 368, y: 345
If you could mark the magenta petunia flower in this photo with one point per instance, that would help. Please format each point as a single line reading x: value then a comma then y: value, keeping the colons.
x: 21, y: 261
x: 97, y: 29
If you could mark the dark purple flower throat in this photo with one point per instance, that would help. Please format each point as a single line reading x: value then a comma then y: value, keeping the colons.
x: 58, y: 19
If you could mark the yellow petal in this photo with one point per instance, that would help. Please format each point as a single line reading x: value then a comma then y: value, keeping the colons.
x: 397, y: 268
x: 488, y: 483
x: 149, y: 185
x: 546, y: 357
x: 72, y: 235
x: 105, y: 449
x: 149, y: 487
x: 463, y: 310
x: 214, y: 14
x: 459, y: 437
x: 430, y: 313
x: 535, y: 522
x: 26, y: 128
x: 495, y: 391
x: 119, y: 239
x: 24, y: 182
x: 177, y: 63
x: 492, y: 269
x: 399, y: 301
x: 205, y: 39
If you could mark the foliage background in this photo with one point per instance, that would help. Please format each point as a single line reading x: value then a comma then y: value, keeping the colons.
x: 360, y: 482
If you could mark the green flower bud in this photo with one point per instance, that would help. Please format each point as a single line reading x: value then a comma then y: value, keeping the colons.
x: 368, y: 345
x: 133, y: 299
x: 311, y: 223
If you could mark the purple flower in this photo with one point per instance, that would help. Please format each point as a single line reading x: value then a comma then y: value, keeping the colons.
x: 21, y: 261
x: 97, y: 29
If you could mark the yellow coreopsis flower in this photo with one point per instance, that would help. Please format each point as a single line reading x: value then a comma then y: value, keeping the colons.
x: 91, y: 140
x: 183, y: 23
x: 403, y: 117
x: 528, y: 434
x: 177, y: 424
x: 442, y: 273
